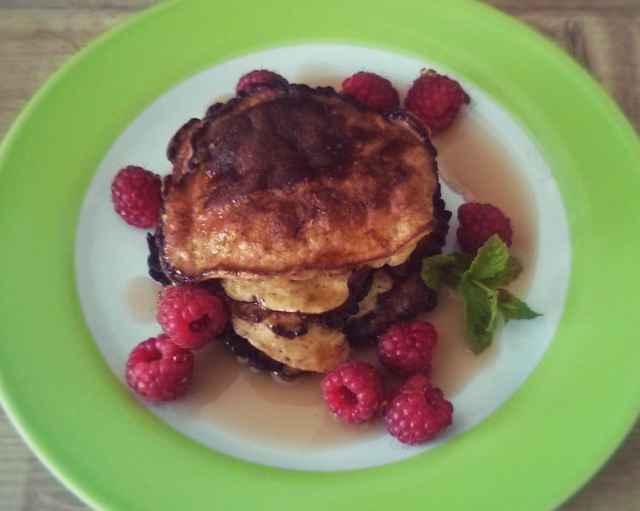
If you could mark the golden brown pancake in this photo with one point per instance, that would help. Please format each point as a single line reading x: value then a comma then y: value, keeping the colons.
x: 323, y: 292
x: 293, y: 182
x: 319, y: 294
x: 318, y: 350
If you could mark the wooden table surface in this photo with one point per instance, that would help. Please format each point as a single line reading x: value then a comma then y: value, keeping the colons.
x: 36, y: 36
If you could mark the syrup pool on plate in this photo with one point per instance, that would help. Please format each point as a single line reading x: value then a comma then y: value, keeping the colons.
x: 141, y: 297
x: 476, y: 167
x: 255, y: 405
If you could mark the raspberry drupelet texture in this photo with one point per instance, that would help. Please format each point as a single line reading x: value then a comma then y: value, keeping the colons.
x: 372, y: 90
x: 406, y: 348
x: 136, y: 196
x: 191, y: 315
x: 353, y: 391
x: 158, y: 370
x: 259, y: 77
x: 418, y: 381
x: 478, y: 222
x: 418, y: 412
x: 436, y: 99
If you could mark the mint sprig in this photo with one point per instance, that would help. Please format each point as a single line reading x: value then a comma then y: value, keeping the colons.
x: 444, y: 269
x: 480, y: 281
x: 491, y: 260
x: 512, y: 307
x: 480, y: 312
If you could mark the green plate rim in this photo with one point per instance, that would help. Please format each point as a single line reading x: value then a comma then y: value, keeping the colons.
x: 546, y: 441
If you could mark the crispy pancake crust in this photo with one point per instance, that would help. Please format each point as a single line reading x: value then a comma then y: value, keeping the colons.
x: 289, y: 181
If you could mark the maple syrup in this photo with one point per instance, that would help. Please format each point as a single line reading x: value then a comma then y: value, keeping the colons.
x: 141, y: 296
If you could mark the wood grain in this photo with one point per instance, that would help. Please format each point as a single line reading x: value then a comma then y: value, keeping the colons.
x: 37, y: 36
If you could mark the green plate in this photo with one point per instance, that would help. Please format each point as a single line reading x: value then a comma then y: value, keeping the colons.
x: 548, y: 439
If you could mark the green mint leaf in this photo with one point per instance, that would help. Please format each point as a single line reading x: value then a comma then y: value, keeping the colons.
x: 480, y: 310
x: 444, y: 269
x: 514, y: 308
x: 506, y: 277
x: 491, y: 260
x: 433, y: 269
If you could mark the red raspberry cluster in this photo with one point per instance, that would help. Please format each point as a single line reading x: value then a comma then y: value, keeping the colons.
x: 135, y: 193
x: 478, y: 222
x: 161, y: 368
x: 418, y: 412
x: 415, y: 413
x: 434, y: 98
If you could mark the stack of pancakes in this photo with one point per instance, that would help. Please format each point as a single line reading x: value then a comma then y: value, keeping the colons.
x: 311, y: 211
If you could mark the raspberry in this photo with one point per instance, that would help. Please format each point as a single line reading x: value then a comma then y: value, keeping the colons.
x: 478, y: 222
x: 259, y: 77
x: 372, y: 90
x: 406, y: 348
x: 418, y: 381
x: 135, y: 193
x: 436, y: 99
x: 158, y: 370
x: 353, y: 391
x: 418, y: 412
x: 190, y: 315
